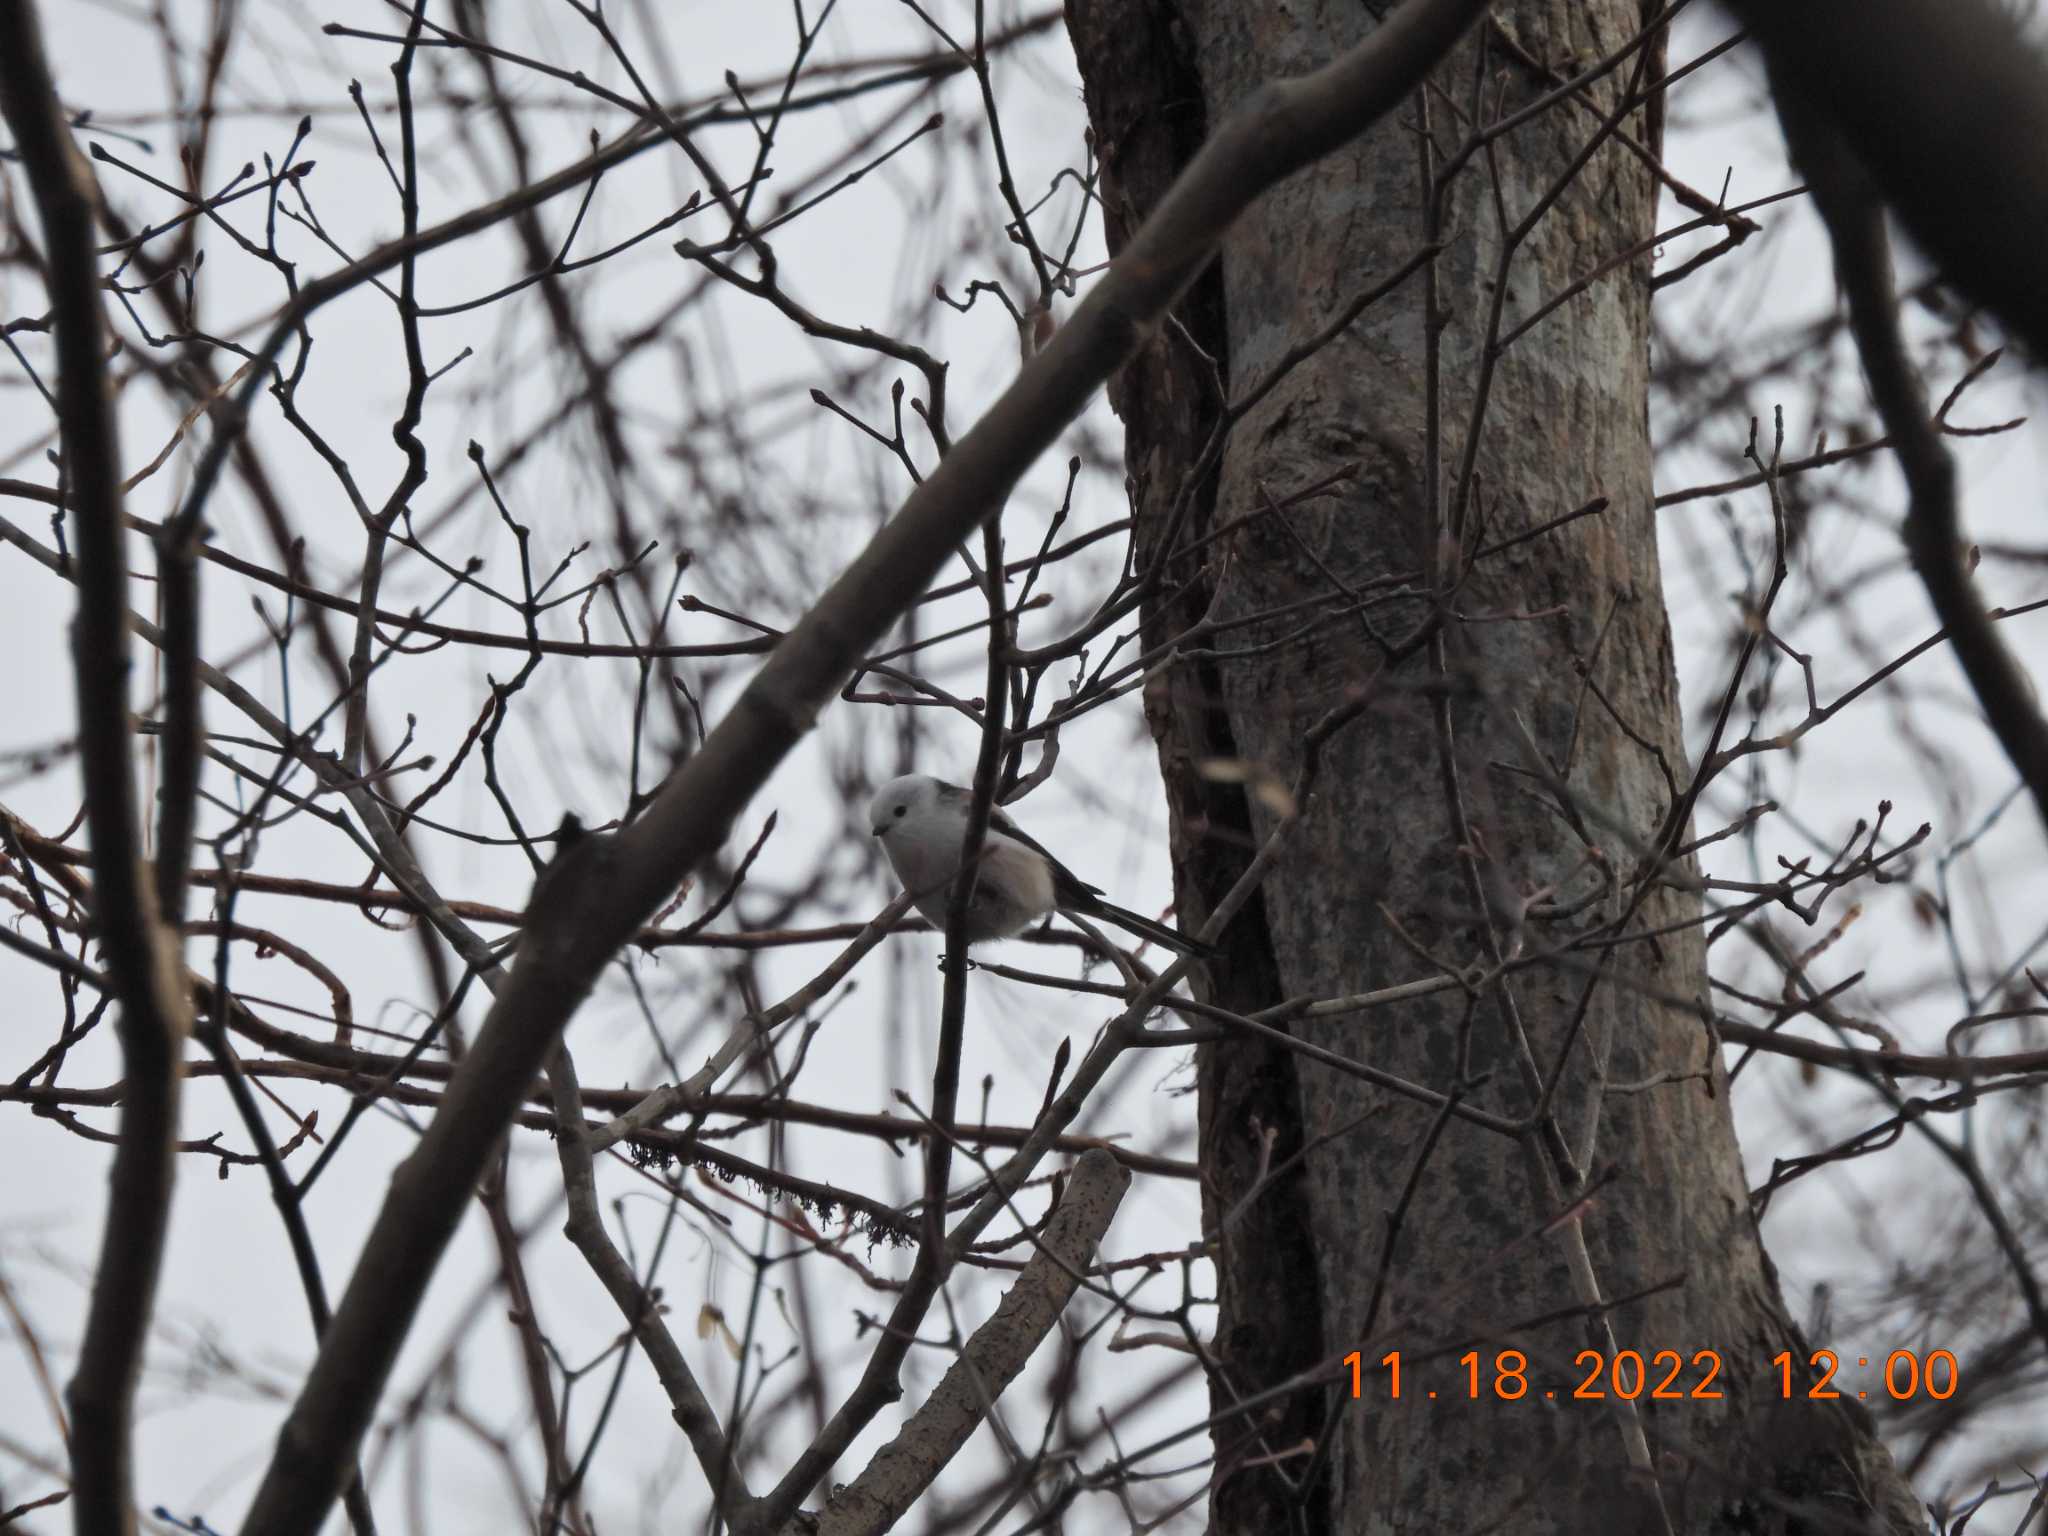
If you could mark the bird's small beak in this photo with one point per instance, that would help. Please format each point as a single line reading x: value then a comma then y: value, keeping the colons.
x: 881, y: 829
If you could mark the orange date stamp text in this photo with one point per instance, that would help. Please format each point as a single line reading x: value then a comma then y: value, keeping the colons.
x: 1665, y: 1375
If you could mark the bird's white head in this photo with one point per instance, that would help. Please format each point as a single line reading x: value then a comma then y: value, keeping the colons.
x: 912, y: 798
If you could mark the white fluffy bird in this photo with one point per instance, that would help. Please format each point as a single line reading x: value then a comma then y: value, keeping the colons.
x: 921, y: 822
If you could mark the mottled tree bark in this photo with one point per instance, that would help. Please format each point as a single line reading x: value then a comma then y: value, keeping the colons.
x: 1425, y: 808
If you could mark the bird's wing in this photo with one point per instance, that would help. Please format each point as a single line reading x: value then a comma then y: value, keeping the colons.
x: 1065, y: 883
x: 1071, y: 891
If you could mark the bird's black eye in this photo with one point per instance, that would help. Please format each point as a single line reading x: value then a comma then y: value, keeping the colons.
x: 901, y: 809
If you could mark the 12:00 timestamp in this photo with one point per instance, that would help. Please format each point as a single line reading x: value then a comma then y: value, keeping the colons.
x: 1667, y: 1376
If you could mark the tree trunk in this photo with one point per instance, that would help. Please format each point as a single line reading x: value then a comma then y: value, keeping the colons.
x: 1344, y: 1216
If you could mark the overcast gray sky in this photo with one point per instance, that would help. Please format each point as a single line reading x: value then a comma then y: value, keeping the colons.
x: 871, y: 255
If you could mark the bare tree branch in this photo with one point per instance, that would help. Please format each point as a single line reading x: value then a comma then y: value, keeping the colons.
x: 904, y: 1468
x: 611, y: 884
x: 1837, y: 170
x: 693, y: 1411
x: 155, y: 1012
x: 1933, y: 95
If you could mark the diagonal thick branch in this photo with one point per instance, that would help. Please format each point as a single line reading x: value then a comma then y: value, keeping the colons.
x: 902, y: 1470
x: 1939, y: 99
x: 1851, y: 203
x: 142, y: 960
x: 594, y: 898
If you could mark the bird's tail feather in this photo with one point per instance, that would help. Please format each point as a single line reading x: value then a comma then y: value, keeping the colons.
x: 1158, y: 933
